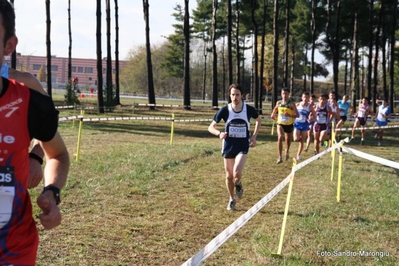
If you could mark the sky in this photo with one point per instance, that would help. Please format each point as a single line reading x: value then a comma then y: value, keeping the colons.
x: 31, y: 26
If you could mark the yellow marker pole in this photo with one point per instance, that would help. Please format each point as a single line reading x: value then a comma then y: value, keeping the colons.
x: 333, y: 133
x: 287, y: 205
x: 79, y: 139
x: 332, y: 152
x: 172, y: 129
x: 273, y: 126
x: 332, y: 164
x: 339, y: 172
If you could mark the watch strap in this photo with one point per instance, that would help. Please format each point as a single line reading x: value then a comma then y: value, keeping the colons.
x: 56, y: 191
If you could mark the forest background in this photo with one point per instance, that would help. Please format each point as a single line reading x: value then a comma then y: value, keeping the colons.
x: 211, y: 48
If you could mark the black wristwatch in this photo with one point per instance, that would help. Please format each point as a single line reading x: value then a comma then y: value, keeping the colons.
x: 56, y: 191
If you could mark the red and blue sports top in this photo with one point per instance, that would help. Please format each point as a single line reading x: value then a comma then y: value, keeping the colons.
x: 24, y: 114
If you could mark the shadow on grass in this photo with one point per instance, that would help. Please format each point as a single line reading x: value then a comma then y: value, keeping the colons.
x: 164, y: 128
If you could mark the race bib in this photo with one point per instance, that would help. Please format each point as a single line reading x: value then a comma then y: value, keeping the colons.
x: 7, y: 192
x: 237, y: 131
x: 284, y: 118
x: 361, y: 113
x: 341, y: 112
x: 321, y: 119
x: 302, y: 119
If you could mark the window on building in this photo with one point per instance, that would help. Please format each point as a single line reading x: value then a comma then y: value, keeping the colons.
x: 90, y: 78
x: 54, y: 68
x: 80, y: 69
x: 88, y: 70
x: 73, y: 69
x: 104, y: 71
x: 36, y: 66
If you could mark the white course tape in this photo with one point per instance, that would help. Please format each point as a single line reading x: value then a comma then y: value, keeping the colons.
x: 237, y: 224
x: 215, y: 243
x: 70, y: 118
x: 312, y: 159
x: 365, y: 128
x: 372, y: 157
x: 125, y: 118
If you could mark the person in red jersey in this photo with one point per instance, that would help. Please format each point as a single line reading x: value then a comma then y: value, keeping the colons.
x: 36, y: 153
x: 25, y: 114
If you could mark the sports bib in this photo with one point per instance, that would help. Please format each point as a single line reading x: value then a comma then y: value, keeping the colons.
x: 7, y: 192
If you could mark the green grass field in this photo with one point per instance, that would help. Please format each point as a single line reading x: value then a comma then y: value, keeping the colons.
x: 134, y: 199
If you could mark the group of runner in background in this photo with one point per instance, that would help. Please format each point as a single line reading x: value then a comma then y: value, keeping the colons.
x: 302, y: 120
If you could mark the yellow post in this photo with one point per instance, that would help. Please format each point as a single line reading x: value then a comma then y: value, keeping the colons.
x: 79, y: 139
x: 273, y: 126
x: 339, y: 172
x: 332, y: 152
x: 287, y: 205
x: 332, y: 164
x: 172, y: 129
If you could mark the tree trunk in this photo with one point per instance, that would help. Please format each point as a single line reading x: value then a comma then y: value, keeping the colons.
x: 292, y: 86
x: 204, y: 72
x: 304, y: 74
x: 186, y: 29
x: 224, y: 72
x: 370, y: 55
x: 313, y: 30
x: 110, y: 100
x: 392, y: 56
x: 286, y: 43
x: 377, y: 45
x: 100, y: 97
x: 14, y: 54
x: 117, y: 85
x: 255, y: 56
x: 214, y: 57
x: 238, y: 50
x: 70, y: 43
x: 48, y: 45
x: 262, y: 56
x: 336, y: 50
x: 383, y: 51
x: 346, y: 71
x: 229, y: 42
x: 275, y: 53
x: 355, y: 58
x: 151, y: 91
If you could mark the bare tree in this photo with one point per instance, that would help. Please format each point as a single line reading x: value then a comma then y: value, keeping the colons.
x: 377, y: 45
x: 151, y: 91
x: 392, y: 52
x: 313, y: 49
x: 262, y: 54
x: 215, y: 56
x: 370, y: 55
x: 355, y: 58
x: 70, y: 43
x: 286, y: 43
x: 229, y: 47
x: 255, y: 58
x: 109, y: 57
x: 186, y: 30
x: 117, y: 85
x: 275, y: 53
x: 48, y: 45
x: 14, y: 54
x: 100, y: 97
x: 237, y: 37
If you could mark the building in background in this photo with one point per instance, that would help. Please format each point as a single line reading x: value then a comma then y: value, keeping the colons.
x: 83, y: 69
